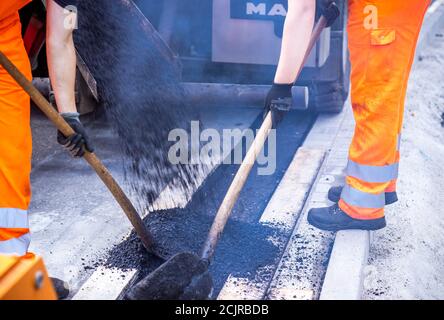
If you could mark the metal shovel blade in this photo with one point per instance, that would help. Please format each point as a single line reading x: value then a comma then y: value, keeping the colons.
x: 183, y: 277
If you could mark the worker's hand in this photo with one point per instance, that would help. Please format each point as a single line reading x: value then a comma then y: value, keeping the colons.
x: 78, y: 142
x: 279, y: 100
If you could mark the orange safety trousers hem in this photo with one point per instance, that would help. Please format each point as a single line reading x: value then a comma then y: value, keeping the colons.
x: 382, y: 41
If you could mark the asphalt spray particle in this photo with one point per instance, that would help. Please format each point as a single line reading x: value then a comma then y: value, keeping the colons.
x: 140, y: 90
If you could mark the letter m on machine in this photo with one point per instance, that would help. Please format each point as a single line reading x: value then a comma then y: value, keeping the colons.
x: 258, y: 9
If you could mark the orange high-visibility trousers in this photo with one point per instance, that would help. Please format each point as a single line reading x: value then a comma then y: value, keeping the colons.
x: 382, y: 40
x: 15, y: 137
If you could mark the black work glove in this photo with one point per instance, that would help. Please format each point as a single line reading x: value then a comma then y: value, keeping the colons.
x: 78, y: 142
x: 279, y: 100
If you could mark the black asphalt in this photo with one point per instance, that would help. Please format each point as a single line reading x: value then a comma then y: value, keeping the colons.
x: 245, y: 246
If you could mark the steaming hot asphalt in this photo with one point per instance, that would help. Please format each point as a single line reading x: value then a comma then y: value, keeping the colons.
x: 141, y: 94
x: 143, y: 99
x: 245, y: 246
x: 76, y: 224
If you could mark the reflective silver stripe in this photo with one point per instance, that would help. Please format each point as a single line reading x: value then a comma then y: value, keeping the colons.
x: 362, y: 199
x: 13, y: 218
x: 17, y: 246
x: 373, y: 174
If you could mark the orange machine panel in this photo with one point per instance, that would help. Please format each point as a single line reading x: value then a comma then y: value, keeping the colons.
x: 24, y: 278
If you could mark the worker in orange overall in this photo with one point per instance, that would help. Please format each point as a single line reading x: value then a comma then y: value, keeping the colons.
x: 382, y: 41
x: 15, y: 130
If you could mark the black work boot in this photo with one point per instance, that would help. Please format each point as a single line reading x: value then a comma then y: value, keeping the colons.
x: 334, y: 195
x: 61, y: 287
x: 334, y: 219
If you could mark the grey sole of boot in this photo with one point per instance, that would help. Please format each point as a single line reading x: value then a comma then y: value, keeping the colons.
x: 369, y: 225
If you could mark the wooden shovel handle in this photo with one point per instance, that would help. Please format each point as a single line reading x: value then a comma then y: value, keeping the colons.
x: 91, y: 158
x: 236, y: 186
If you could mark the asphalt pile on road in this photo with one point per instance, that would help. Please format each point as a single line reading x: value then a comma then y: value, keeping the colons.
x: 139, y: 86
x: 185, y: 229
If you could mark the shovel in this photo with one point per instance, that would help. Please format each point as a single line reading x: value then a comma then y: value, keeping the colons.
x: 91, y: 158
x: 186, y: 276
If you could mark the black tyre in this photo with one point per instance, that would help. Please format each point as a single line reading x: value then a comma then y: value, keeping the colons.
x: 330, y: 95
x: 86, y: 103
